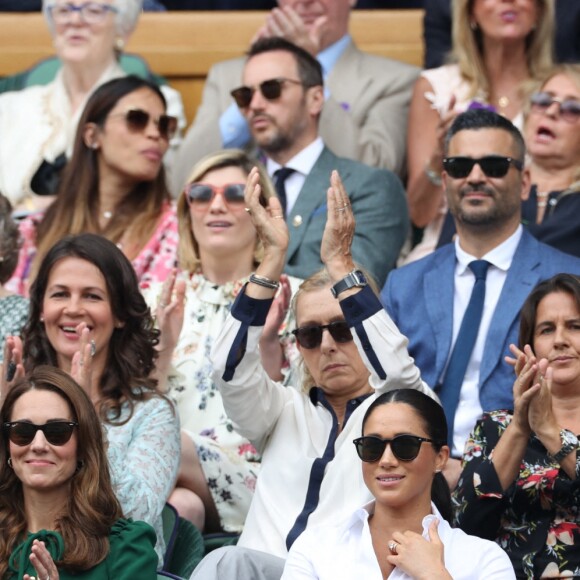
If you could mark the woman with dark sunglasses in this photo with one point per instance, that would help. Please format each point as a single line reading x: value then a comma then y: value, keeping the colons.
x: 59, y: 514
x: 114, y: 184
x: 38, y: 123
x: 310, y: 472
x: 404, y: 532
x: 218, y: 251
x: 552, y: 134
x: 87, y: 317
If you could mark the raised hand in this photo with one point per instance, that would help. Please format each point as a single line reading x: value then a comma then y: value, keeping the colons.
x: 12, y: 369
x: 335, y: 249
x: 81, y: 369
x: 418, y: 557
x: 270, y: 226
x: 43, y: 563
x: 169, y: 312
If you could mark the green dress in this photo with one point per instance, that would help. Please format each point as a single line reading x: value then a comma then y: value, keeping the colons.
x: 131, y: 555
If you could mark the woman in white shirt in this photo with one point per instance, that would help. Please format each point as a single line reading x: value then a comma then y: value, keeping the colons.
x: 403, y: 533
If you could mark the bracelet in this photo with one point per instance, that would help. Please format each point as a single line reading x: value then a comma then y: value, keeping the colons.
x: 265, y: 282
x: 433, y: 176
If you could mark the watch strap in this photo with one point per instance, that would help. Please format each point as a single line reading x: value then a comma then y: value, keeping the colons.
x: 354, y: 279
x: 569, y: 444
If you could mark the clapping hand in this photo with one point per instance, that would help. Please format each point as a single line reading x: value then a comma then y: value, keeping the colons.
x: 81, y: 369
x: 43, y: 563
x: 13, y: 369
x: 169, y: 312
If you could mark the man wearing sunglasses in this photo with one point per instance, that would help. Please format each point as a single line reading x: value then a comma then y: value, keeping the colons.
x: 460, y: 316
x: 366, y: 96
x: 281, y: 97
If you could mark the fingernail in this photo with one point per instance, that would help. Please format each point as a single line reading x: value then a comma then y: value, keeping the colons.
x: 93, y: 347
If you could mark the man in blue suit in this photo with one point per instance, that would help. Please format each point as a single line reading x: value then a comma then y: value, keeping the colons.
x: 282, y: 98
x: 485, y: 182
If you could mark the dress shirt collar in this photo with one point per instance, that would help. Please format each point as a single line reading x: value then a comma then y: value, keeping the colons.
x: 501, y: 256
x: 302, y: 162
x: 330, y: 55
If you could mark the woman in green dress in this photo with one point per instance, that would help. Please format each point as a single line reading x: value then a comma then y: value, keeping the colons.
x: 59, y: 516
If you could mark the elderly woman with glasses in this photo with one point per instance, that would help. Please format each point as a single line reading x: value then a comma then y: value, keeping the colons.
x: 351, y: 352
x: 218, y: 251
x: 59, y: 514
x: 552, y: 134
x: 38, y: 124
x: 114, y: 184
x: 405, y: 531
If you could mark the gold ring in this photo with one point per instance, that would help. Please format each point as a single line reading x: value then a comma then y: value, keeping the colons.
x: 393, y: 547
x: 341, y: 209
x: 248, y: 209
x: 278, y: 217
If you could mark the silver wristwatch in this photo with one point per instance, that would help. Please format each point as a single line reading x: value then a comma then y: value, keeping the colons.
x: 569, y: 443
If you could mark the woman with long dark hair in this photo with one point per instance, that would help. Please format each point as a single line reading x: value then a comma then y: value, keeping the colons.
x: 114, y: 184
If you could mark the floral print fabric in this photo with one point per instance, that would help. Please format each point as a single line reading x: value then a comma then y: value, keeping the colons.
x: 536, y: 520
x: 230, y: 462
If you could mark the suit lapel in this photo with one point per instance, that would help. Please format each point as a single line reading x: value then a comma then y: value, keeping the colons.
x: 312, y: 197
x: 438, y: 290
x: 523, y: 275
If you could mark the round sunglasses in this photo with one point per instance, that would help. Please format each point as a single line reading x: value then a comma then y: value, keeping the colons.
x: 569, y: 108
x: 404, y: 447
x: 492, y: 165
x: 311, y: 336
x: 138, y: 120
x: 22, y: 433
x: 202, y: 194
x: 270, y: 90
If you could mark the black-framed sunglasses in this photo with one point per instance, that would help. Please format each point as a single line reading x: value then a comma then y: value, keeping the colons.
x: 270, y: 89
x: 56, y: 432
x: 404, y: 447
x: 202, y: 194
x: 491, y: 165
x: 569, y: 108
x: 138, y: 120
x: 311, y: 336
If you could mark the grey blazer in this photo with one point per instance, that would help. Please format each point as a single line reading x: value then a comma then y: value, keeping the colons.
x: 380, y: 209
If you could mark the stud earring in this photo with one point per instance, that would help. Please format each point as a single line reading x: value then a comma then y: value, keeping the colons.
x: 119, y: 44
x: 10, y: 462
x: 473, y: 25
x: 41, y: 318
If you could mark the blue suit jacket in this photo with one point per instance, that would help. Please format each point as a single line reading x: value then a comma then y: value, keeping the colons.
x: 379, y: 205
x: 419, y: 298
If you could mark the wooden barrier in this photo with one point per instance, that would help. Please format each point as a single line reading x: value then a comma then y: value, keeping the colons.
x: 182, y: 46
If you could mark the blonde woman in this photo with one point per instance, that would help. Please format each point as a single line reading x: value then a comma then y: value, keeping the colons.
x: 218, y: 251
x: 497, y: 48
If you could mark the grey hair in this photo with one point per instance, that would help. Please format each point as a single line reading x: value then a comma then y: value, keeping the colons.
x: 125, y: 20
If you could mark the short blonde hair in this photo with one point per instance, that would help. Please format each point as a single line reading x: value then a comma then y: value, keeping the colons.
x: 188, y: 249
x: 468, y: 49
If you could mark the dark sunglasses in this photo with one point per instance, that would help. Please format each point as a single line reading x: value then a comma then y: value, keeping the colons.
x: 23, y: 433
x: 138, y: 119
x: 404, y: 447
x: 202, y: 194
x: 491, y: 165
x: 569, y: 108
x: 270, y: 89
x: 311, y: 336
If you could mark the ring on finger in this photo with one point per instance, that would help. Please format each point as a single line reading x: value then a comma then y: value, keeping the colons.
x: 393, y: 546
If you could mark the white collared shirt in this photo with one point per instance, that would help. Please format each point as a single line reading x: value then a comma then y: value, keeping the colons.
x: 345, y: 551
x: 500, y: 258
x: 302, y: 163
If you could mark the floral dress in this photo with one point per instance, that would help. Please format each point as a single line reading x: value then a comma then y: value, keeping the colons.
x: 536, y: 520
x: 230, y: 462
x: 13, y: 316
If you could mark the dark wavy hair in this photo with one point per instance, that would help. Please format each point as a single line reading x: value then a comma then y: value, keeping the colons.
x: 131, y: 354
x: 9, y: 241
x: 76, y: 208
x: 92, y: 506
x: 566, y: 283
x: 435, y: 424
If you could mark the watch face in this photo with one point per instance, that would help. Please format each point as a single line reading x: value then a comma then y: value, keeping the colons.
x: 568, y: 438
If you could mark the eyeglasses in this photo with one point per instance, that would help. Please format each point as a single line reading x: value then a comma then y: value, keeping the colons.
x: 138, y: 120
x: 491, y: 165
x: 202, y: 194
x: 56, y: 432
x: 404, y: 447
x: 569, y: 108
x: 90, y: 12
x: 311, y: 336
x: 270, y: 89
